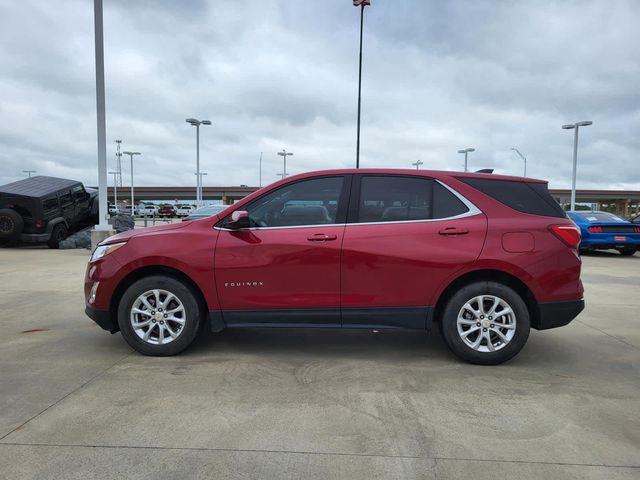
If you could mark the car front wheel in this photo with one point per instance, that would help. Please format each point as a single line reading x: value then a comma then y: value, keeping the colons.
x: 485, y: 323
x: 159, y: 316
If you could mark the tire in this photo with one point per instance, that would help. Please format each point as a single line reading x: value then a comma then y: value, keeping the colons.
x: 59, y: 233
x: 11, y: 225
x: 627, y: 252
x: 515, y: 331
x: 186, y: 331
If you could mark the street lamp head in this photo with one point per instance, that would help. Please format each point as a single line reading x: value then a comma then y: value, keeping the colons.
x: 206, y: 122
x: 568, y: 126
x: 192, y: 121
x: 467, y: 150
x: 131, y: 153
x: 585, y: 123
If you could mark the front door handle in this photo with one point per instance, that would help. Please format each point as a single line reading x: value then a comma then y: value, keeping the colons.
x: 321, y: 237
x: 454, y: 231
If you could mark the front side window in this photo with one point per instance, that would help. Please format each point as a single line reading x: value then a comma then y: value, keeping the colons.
x: 78, y: 193
x: 65, y: 198
x: 308, y: 202
x: 395, y: 198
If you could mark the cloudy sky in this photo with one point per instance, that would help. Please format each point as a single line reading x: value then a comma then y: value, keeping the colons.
x: 273, y: 74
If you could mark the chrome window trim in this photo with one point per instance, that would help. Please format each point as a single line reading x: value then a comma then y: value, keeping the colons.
x: 473, y: 210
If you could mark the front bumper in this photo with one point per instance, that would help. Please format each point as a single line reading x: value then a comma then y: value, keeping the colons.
x: 102, y: 318
x: 557, y: 314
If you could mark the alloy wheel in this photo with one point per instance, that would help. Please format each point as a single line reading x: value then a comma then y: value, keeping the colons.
x: 486, y: 323
x: 158, y: 317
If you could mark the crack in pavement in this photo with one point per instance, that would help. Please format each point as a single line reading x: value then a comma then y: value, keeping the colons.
x: 301, y: 452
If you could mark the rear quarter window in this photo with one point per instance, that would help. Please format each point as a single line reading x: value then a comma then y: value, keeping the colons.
x: 49, y: 204
x: 526, y: 197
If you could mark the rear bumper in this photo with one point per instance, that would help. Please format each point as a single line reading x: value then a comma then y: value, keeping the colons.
x: 35, y: 237
x: 557, y: 314
x: 102, y: 318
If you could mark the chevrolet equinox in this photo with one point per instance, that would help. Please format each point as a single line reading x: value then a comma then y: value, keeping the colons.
x: 487, y: 257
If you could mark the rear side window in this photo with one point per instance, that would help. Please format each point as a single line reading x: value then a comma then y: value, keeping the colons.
x: 49, y: 204
x: 394, y: 198
x: 65, y: 198
x: 526, y: 197
x: 445, y: 203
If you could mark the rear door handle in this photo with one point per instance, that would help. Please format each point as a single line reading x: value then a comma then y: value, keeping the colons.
x: 454, y: 231
x: 321, y: 237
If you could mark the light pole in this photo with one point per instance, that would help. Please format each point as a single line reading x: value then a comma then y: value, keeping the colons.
x: 417, y: 164
x: 196, y: 123
x: 131, y: 154
x: 200, y: 175
x: 575, y: 126
x: 361, y: 4
x: 103, y: 212
x: 115, y: 189
x: 522, y: 157
x: 281, y: 175
x: 28, y: 172
x: 260, y: 169
x: 466, y: 151
x: 284, y: 154
x: 119, y: 162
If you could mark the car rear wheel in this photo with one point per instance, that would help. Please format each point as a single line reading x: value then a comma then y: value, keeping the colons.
x: 58, y: 234
x: 159, y: 316
x: 485, y: 323
x: 627, y: 252
x: 11, y: 226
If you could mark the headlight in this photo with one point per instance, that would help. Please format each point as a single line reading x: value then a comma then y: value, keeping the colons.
x: 104, y: 250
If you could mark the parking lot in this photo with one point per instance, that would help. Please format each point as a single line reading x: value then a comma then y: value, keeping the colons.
x: 76, y: 402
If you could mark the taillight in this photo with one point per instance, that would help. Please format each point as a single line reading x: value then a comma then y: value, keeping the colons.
x: 570, y: 235
x: 636, y: 229
x: 39, y: 223
x: 595, y: 229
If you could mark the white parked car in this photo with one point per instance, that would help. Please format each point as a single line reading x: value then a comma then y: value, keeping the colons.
x: 147, y: 210
x: 184, y: 210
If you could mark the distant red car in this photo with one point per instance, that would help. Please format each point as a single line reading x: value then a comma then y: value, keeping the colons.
x: 485, y: 256
x: 167, y: 211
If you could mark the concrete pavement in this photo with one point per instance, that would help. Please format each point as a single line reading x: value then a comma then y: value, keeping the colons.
x: 76, y: 402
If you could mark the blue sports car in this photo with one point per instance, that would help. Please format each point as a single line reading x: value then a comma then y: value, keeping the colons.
x: 604, y: 230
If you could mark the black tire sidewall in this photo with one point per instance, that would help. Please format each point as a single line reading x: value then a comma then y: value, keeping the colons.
x: 18, y: 225
x: 54, y: 241
x: 450, y: 330
x: 627, y: 252
x: 193, y: 313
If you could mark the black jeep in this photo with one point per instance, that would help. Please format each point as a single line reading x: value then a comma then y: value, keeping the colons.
x: 44, y: 209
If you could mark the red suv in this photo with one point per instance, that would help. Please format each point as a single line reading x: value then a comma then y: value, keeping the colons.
x: 485, y: 256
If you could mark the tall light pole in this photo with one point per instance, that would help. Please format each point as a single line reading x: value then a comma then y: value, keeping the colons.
x: 115, y: 188
x: 417, y: 164
x: 361, y: 4
x: 131, y: 154
x: 522, y: 157
x: 119, y: 162
x: 28, y: 172
x: 466, y: 151
x: 575, y: 126
x: 103, y: 211
x: 284, y: 154
x: 260, y: 169
x: 196, y: 123
x: 200, y: 175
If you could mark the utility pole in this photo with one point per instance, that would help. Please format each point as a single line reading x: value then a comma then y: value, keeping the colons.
x: 103, y: 212
x: 361, y: 4
x: 28, y: 172
x: 575, y: 126
x: 417, y: 164
x: 115, y: 189
x: 196, y: 123
x: 284, y: 154
x: 131, y: 154
x: 523, y: 158
x: 466, y: 151
x: 119, y: 162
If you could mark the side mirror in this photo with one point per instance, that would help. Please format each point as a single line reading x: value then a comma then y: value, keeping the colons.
x: 239, y: 219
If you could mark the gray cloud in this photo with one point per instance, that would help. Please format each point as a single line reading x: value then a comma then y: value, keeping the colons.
x: 438, y: 76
